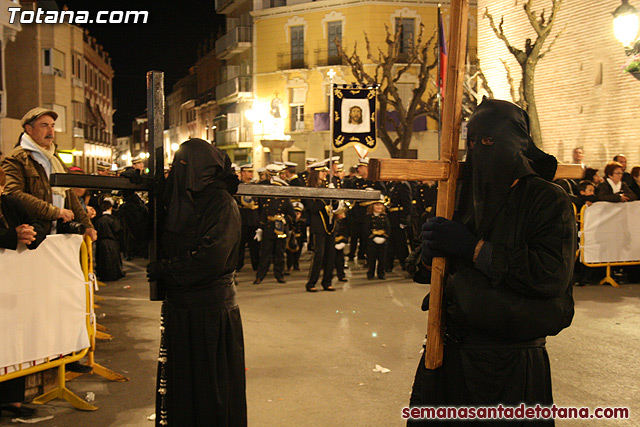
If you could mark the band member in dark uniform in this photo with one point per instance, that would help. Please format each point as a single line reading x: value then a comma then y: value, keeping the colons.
x: 376, y: 225
x: 297, y: 238
x: 304, y: 175
x: 248, y: 207
x: 341, y: 239
x: 424, y: 199
x: 357, y: 236
x: 399, y: 219
x: 108, y: 260
x: 321, y: 229
x: 276, y: 218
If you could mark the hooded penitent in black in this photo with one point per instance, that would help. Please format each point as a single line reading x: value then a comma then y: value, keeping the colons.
x: 499, y: 309
x: 201, y: 375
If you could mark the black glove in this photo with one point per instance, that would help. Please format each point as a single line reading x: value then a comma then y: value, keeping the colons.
x: 133, y: 175
x: 443, y: 237
x: 157, y: 270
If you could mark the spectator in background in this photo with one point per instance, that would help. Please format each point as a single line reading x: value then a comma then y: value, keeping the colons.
x: 613, y: 189
x: 626, y: 176
x: 591, y: 174
x: 578, y: 156
x: 16, y: 226
x: 635, y: 185
x: 28, y: 167
x: 586, y: 195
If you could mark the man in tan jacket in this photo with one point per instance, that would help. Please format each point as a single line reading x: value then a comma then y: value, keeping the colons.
x: 28, y: 167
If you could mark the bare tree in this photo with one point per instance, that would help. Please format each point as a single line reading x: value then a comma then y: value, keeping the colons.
x: 387, y: 74
x: 528, y: 59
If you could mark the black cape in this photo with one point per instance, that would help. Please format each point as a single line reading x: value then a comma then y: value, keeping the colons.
x: 201, y: 371
x: 108, y: 260
x: 497, y: 321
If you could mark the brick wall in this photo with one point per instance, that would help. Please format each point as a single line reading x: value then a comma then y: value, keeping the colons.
x: 583, y: 97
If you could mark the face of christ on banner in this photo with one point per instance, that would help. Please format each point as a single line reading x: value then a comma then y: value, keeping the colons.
x: 356, y: 113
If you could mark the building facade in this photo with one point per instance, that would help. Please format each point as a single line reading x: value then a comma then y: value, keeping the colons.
x: 584, y: 98
x: 295, y: 48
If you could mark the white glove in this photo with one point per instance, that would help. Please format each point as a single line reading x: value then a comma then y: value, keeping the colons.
x: 339, y: 207
x: 304, y: 247
x: 379, y: 240
x: 331, y: 185
x: 258, y: 235
x: 403, y: 226
x: 340, y: 246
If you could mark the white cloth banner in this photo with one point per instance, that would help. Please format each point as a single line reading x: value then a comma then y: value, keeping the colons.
x: 611, y: 232
x: 42, y: 301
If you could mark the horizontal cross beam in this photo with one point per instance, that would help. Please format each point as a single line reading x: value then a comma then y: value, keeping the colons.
x: 98, y: 182
x: 438, y: 170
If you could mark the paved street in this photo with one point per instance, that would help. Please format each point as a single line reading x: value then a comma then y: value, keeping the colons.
x: 311, y: 357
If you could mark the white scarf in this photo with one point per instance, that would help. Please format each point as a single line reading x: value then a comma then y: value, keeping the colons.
x: 51, y: 164
x: 615, y: 187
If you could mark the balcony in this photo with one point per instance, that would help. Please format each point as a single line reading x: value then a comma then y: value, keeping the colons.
x: 324, y: 58
x: 236, y: 87
x: 233, y: 137
x: 235, y: 41
x: 224, y: 6
x: 286, y: 61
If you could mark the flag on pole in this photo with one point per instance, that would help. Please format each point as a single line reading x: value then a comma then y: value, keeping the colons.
x: 354, y: 117
x: 442, y: 48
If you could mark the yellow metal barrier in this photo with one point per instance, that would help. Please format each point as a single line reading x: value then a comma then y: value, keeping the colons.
x: 607, y: 278
x: 61, y: 391
x: 97, y: 368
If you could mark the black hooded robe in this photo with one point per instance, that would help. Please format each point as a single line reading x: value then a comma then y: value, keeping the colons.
x: 201, y: 371
x: 498, y: 316
x: 108, y: 259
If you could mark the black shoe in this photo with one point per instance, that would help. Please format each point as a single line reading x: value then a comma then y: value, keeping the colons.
x: 311, y: 289
x: 296, y: 268
x: 281, y: 281
x: 382, y: 277
x: 343, y: 279
x: 78, y: 368
x: 329, y: 288
x: 369, y: 276
x: 257, y: 281
x: 20, y: 411
x: 286, y: 273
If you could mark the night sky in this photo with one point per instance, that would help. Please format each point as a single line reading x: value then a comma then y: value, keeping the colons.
x: 168, y: 42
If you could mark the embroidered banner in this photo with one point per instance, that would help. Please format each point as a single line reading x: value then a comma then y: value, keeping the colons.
x: 354, y: 117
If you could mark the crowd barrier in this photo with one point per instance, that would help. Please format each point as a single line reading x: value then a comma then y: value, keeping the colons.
x: 46, y: 311
x: 610, y: 236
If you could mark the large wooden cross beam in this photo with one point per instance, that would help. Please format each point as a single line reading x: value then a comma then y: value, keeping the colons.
x: 438, y: 170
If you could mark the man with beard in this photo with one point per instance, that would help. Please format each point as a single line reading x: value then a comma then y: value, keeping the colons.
x: 511, y: 250
x: 201, y: 373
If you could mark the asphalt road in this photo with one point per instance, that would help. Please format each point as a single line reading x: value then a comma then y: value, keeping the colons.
x: 311, y: 358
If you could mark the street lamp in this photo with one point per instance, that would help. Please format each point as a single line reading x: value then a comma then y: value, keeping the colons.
x: 625, y: 27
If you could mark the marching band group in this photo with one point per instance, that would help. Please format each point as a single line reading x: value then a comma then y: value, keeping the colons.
x: 276, y: 229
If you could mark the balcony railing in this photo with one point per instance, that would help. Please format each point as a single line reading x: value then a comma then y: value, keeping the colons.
x: 233, y: 87
x: 233, y: 136
x: 235, y: 41
x: 326, y: 58
x: 286, y: 61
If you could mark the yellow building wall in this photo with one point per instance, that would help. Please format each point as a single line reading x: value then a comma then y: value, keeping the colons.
x: 271, y: 39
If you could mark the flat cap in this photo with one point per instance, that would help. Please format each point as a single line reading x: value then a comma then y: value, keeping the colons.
x: 34, y: 113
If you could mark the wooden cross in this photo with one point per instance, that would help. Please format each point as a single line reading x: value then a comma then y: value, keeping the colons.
x: 446, y: 171
x: 154, y: 182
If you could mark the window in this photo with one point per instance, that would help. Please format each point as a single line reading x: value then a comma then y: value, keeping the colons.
x: 297, y: 117
x: 297, y: 46
x: 53, y: 62
x: 297, y: 97
x: 61, y: 110
x: 335, y: 32
x: 406, y: 26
